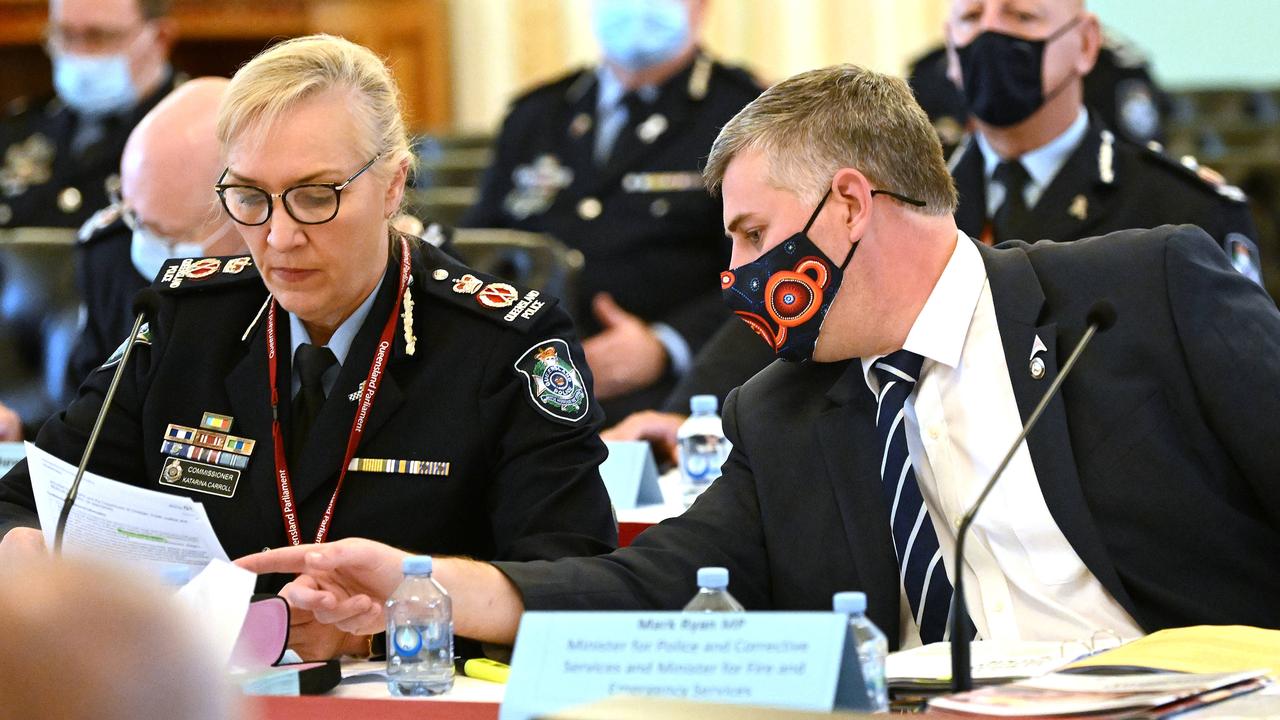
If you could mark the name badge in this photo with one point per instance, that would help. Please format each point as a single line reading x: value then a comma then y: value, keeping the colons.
x: 200, y: 477
x: 781, y: 659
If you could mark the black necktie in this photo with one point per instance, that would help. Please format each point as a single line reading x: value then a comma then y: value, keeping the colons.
x: 626, y: 140
x: 311, y: 362
x: 1011, y: 217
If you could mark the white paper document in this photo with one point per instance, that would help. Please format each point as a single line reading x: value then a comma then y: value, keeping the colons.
x: 121, y: 522
x: 219, y: 596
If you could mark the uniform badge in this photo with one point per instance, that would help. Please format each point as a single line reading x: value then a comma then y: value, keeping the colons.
x: 235, y: 266
x: 213, y: 421
x: 400, y: 467
x: 652, y: 128
x: 581, y: 125
x: 70, y: 200
x: 27, y: 163
x: 1079, y: 207
x: 410, y: 340
x: 497, y: 295
x: 1243, y: 256
x: 536, y: 186
x: 556, y: 387
x: 199, y: 477
x: 468, y: 284
x: 143, y: 338
x: 1036, y: 365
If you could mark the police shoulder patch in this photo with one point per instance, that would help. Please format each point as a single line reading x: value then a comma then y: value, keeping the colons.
x: 556, y: 388
x: 180, y: 274
x: 143, y: 338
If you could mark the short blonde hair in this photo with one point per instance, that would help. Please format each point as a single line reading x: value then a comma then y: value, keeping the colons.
x: 815, y: 123
x: 265, y: 88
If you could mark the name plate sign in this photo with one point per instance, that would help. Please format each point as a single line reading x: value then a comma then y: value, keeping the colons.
x: 779, y: 659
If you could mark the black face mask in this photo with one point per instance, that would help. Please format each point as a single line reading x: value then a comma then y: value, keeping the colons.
x: 1003, y: 76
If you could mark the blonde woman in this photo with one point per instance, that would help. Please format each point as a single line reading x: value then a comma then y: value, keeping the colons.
x: 345, y: 379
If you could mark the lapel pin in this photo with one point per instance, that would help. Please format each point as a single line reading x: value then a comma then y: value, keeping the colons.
x: 1079, y: 208
x: 1037, y: 363
x: 652, y: 128
x: 581, y: 125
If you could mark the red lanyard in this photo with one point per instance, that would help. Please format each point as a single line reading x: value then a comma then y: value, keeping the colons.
x: 371, y: 383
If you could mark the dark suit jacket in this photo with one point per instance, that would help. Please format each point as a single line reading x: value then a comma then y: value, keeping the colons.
x: 1158, y: 460
x: 520, y: 484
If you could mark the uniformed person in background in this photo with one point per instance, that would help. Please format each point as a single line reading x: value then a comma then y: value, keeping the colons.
x: 418, y: 402
x: 607, y: 160
x: 165, y: 208
x: 60, y: 157
x: 1119, y: 90
x: 1073, y: 178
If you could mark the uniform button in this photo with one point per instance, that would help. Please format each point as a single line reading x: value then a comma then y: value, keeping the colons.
x: 6, y: 213
x: 69, y: 200
x: 440, y: 274
x: 659, y: 208
x: 589, y: 208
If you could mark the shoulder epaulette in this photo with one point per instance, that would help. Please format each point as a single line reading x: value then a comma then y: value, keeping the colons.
x: 740, y: 76
x: 98, y: 222
x: 485, y: 295
x: 183, y: 274
x: 1191, y: 169
x: 557, y: 86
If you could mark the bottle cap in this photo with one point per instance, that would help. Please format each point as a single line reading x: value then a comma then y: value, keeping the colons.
x: 849, y: 603
x: 416, y: 565
x: 703, y: 404
x: 715, y: 578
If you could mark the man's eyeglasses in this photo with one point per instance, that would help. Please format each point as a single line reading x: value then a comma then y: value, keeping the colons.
x: 309, y: 204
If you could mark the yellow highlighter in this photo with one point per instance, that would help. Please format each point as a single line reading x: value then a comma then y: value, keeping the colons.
x: 486, y: 669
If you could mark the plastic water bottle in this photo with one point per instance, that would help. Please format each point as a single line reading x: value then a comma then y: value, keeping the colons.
x: 702, y: 447
x: 713, y: 592
x: 871, y: 646
x: 419, y: 633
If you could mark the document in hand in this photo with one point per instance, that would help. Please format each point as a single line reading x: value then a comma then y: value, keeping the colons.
x: 112, y: 520
x: 1067, y: 694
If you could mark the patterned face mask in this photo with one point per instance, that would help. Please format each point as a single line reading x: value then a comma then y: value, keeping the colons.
x: 785, y: 294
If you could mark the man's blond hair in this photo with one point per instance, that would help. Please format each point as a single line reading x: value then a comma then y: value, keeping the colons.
x: 262, y: 92
x: 813, y: 124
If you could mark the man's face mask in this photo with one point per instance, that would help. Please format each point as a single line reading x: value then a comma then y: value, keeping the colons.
x: 149, y: 251
x: 1003, y: 74
x: 785, y: 294
x: 94, y: 84
x: 637, y: 34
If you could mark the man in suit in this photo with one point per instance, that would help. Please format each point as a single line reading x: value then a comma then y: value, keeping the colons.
x: 607, y: 160
x: 1077, y: 178
x: 62, y: 155
x: 1145, y: 498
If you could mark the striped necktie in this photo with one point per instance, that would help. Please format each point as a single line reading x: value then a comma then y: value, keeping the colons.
x: 920, y: 565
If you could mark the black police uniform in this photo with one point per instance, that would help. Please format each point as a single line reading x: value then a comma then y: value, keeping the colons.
x: 650, y: 233
x: 1119, y: 89
x: 468, y: 449
x: 43, y: 182
x: 1106, y: 185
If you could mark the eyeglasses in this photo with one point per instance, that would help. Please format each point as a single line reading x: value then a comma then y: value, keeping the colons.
x: 309, y: 204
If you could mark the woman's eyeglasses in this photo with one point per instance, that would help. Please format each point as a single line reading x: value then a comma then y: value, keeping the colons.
x: 309, y: 203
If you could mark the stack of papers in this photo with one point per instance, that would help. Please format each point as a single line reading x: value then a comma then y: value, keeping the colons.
x: 1062, y: 694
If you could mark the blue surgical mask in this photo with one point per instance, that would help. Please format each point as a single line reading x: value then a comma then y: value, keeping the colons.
x: 94, y: 84
x: 784, y: 294
x: 149, y: 251
x: 637, y: 34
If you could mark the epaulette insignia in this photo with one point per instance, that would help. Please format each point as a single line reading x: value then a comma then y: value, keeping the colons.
x: 98, y: 221
x: 204, y: 273
x: 491, y: 298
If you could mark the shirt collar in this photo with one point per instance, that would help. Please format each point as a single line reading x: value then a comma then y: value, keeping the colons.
x: 611, y: 90
x: 940, y: 329
x: 342, y: 338
x: 1044, y: 162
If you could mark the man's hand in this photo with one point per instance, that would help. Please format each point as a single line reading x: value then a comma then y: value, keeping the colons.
x: 315, y: 640
x: 345, y: 582
x: 626, y: 355
x: 658, y: 428
x: 10, y: 425
x: 21, y: 544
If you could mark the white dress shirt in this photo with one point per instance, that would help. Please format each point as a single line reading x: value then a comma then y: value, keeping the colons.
x: 1023, y: 580
x: 1042, y: 164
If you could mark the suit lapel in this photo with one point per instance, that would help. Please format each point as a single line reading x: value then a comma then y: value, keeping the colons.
x: 1019, y: 300
x: 846, y: 434
x: 966, y: 170
x: 250, y: 395
x: 580, y: 101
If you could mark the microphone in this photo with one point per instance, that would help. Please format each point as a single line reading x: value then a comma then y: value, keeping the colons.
x: 144, y: 301
x: 1100, y: 318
